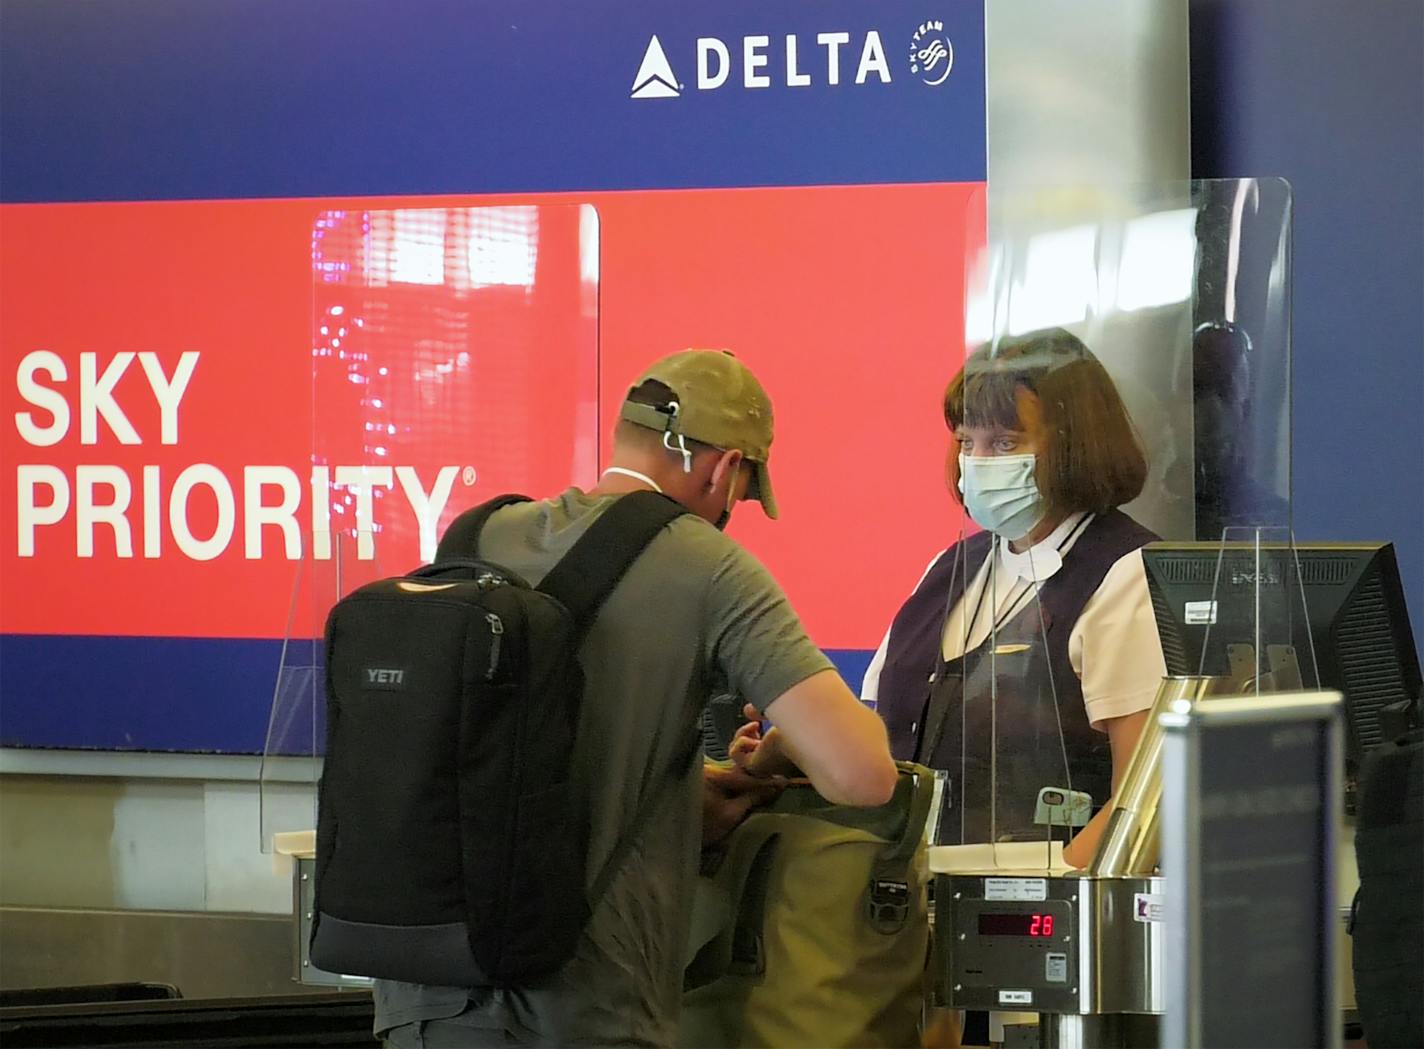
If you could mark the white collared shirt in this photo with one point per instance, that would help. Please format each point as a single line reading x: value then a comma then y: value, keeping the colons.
x: 1000, y: 586
x: 1113, y: 647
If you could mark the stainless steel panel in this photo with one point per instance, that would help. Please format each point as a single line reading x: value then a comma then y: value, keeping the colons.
x: 203, y: 955
x: 1113, y: 937
x: 1123, y: 968
x: 1011, y: 972
x: 304, y: 896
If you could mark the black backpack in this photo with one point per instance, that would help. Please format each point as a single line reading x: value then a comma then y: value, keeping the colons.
x: 451, y: 848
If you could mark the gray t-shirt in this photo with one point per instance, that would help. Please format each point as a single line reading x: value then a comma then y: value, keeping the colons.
x: 694, y: 616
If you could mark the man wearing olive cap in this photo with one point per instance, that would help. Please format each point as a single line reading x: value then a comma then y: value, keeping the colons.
x: 696, y: 615
x: 714, y: 400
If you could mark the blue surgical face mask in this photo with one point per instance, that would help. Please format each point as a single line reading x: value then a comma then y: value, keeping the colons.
x: 1001, y: 494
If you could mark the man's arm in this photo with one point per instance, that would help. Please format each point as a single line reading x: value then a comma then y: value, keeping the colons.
x: 822, y: 729
x: 761, y: 647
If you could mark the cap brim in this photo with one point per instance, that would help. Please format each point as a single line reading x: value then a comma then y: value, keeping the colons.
x: 761, y: 483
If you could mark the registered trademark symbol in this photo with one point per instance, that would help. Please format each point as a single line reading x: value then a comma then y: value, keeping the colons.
x: 468, y: 475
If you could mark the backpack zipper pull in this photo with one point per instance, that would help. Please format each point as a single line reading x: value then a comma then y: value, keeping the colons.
x: 496, y: 626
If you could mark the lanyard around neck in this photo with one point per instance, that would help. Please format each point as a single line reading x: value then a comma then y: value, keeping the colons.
x: 1015, y: 607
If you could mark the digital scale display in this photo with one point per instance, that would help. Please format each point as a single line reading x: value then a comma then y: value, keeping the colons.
x: 1037, y: 925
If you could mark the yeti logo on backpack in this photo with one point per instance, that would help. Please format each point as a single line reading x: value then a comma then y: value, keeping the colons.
x: 451, y: 842
x: 391, y: 679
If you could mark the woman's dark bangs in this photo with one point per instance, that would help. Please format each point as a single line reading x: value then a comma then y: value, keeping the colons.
x: 991, y: 398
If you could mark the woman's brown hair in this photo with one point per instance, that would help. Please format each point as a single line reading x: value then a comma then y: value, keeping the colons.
x: 1094, y: 460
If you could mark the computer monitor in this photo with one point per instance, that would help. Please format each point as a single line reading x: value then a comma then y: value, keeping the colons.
x: 1352, y: 633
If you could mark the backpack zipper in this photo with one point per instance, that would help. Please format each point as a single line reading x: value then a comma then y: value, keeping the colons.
x: 496, y: 626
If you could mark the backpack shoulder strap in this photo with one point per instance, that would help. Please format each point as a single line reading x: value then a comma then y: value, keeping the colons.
x: 587, y: 574
x: 462, y: 538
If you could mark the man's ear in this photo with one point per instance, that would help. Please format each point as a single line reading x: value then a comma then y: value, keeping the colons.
x: 726, y: 466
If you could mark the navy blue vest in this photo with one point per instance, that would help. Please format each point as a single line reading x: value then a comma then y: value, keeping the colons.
x: 914, y: 668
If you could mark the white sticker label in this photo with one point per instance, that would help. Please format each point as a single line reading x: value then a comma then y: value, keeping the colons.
x: 1055, y: 968
x: 1148, y: 907
x: 1015, y: 997
x: 1015, y: 888
x: 1199, y: 613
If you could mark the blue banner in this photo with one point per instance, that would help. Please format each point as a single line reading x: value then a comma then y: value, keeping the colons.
x: 208, y: 695
x: 169, y: 99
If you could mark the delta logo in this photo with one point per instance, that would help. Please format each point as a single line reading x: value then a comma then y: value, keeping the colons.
x: 831, y: 58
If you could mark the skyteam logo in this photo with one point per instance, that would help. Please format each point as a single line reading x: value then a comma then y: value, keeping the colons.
x: 655, y: 77
x: 931, y: 53
x: 756, y: 62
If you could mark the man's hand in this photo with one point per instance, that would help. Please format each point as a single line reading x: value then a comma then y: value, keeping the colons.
x: 728, y: 795
x: 837, y: 741
x: 746, y: 741
x: 759, y: 755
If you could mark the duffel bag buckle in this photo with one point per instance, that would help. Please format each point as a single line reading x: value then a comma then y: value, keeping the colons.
x: 888, y: 905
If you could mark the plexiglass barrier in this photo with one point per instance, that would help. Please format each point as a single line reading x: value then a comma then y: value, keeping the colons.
x: 1128, y: 382
x: 454, y: 358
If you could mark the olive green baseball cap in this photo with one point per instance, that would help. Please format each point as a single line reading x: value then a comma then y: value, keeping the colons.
x: 718, y: 402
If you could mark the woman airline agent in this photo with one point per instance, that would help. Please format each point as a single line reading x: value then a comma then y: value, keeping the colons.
x: 1043, y: 454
